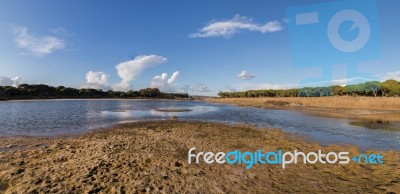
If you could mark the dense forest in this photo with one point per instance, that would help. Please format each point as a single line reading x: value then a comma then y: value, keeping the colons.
x: 42, y: 91
x: 389, y: 88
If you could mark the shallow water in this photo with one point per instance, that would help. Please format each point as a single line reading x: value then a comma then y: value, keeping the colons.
x: 56, y: 117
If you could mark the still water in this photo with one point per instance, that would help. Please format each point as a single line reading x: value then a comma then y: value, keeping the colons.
x: 58, y: 117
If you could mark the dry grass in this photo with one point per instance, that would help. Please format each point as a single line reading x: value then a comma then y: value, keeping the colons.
x: 324, y: 102
x: 358, y: 108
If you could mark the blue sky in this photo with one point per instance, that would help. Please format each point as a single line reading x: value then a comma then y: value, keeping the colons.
x: 136, y: 44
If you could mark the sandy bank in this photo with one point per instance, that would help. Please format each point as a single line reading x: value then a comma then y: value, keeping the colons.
x: 152, y: 157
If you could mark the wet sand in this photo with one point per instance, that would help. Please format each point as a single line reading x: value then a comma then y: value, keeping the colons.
x: 151, y: 157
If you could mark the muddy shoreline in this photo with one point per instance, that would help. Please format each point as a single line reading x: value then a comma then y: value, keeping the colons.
x: 152, y: 157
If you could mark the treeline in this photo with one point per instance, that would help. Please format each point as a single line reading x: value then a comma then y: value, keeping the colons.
x: 42, y: 91
x: 389, y: 88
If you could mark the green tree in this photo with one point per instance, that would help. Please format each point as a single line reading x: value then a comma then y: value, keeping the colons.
x: 390, y: 88
x: 356, y: 90
x: 338, y: 90
x: 373, y: 87
x: 150, y: 92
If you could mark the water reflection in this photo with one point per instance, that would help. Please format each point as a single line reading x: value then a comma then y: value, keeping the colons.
x: 159, y: 113
x: 54, y: 117
x: 193, y: 110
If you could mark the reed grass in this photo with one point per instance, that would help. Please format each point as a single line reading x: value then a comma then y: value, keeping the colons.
x: 379, y: 103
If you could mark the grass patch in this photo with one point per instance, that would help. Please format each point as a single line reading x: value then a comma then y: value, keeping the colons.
x: 379, y: 103
x: 379, y: 124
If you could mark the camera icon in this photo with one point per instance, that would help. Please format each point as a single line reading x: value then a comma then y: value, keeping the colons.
x: 331, y: 33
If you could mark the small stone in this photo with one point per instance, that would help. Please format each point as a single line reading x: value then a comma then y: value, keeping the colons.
x: 19, y: 171
x: 38, y: 181
x: 21, y: 163
x: 178, y: 164
x: 165, y: 177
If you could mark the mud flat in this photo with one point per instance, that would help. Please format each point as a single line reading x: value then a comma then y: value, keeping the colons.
x: 152, y: 157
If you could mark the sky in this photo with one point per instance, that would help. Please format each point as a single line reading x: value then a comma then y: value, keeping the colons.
x: 199, y: 47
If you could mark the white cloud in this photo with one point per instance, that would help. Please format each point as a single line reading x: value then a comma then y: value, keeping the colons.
x: 185, y: 89
x: 159, y: 81
x: 344, y: 82
x: 5, y: 81
x: 245, y: 75
x: 96, y: 80
x: 173, y: 77
x: 128, y: 70
x: 227, y: 28
x: 37, y: 45
x: 391, y: 75
x: 266, y: 86
x: 164, y: 83
x: 229, y: 89
x: 199, y: 87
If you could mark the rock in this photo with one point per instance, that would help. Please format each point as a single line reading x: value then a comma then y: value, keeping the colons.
x: 21, y: 163
x: 38, y: 181
x: 165, y: 177
x: 178, y: 164
x: 19, y: 171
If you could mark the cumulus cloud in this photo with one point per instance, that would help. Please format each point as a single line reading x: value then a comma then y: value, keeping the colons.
x: 164, y: 83
x: 128, y: 70
x: 391, y: 75
x: 245, y: 75
x: 6, y: 81
x: 227, y: 28
x: 96, y: 80
x: 37, y: 45
x: 173, y: 78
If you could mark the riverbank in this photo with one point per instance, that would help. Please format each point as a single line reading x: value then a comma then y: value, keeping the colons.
x: 152, y: 157
x: 357, y: 108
